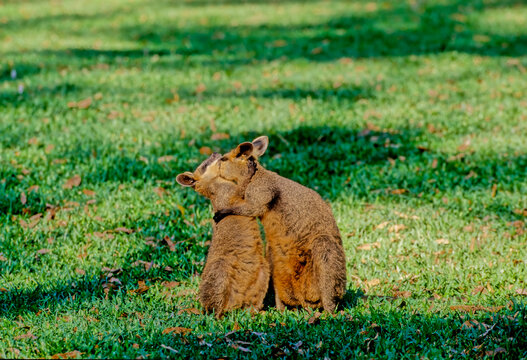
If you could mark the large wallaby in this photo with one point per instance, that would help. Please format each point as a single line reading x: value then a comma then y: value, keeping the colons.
x: 236, y: 274
x: 304, y: 248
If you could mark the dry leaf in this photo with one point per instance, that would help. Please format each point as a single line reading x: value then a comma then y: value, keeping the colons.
x: 43, y: 251
x: 398, y: 191
x: 442, y: 241
x: 2, y: 257
x: 72, y: 182
x: 402, y: 294
x: 200, y: 88
x: 189, y: 311
x: 369, y: 246
x: 315, y: 319
x: 219, y: 136
x: 170, y: 284
x: 372, y: 282
x: 67, y: 355
x: 479, y: 290
x: 160, y: 191
x: 88, y: 192
x: 474, y: 308
x: 382, y: 225
x: 123, y: 229
x: 23, y: 198
x: 166, y: 158
x: 170, y: 243
x: 176, y: 330
x: 522, y: 292
x: 27, y: 335
x: 141, y: 289
x: 205, y: 150
x: 80, y: 271
x: 84, y: 104
x: 396, y: 228
x: 33, y: 188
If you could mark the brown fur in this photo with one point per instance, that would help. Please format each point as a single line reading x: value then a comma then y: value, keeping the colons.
x: 308, y: 264
x: 236, y: 275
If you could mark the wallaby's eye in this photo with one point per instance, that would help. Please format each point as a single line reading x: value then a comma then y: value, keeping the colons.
x: 223, y: 159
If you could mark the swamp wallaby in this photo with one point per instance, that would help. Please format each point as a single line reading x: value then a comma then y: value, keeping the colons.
x: 304, y: 248
x: 236, y: 274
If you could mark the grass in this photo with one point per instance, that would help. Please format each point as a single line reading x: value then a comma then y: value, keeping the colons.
x: 408, y: 117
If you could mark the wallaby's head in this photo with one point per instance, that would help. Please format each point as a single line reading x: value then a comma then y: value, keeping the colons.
x: 239, y: 165
x: 206, y: 181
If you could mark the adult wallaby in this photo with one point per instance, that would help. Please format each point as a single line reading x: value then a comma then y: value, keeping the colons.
x: 236, y: 274
x: 304, y: 248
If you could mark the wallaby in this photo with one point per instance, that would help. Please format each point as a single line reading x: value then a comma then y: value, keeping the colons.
x: 236, y: 274
x: 304, y: 247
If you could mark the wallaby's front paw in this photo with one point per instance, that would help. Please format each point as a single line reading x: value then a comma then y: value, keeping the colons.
x: 219, y: 215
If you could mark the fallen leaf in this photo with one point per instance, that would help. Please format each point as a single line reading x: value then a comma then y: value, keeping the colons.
x: 479, y: 290
x: 2, y: 257
x: 219, y: 136
x: 72, y: 182
x: 495, y: 352
x: 494, y: 189
x: 522, y: 292
x: 474, y: 308
x: 170, y: 243
x: 382, y: 225
x: 200, y: 88
x: 141, y: 289
x: 3, y: 290
x: 398, y: 191
x: 205, y: 150
x: 189, y: 311
x: 160, y: 191
x: 176, y: 330
x: 372, y: 282
x: 88, y: 192
x: 402, y: 294
x: 123, y: 229
x: 23, y: 198
x: 80, y: 271
x: 27, y: 335
x: 170, y: 284
x: 67, y: 355
x: 43, y: 251
x: 442, y: 241
x: 369, y: 246
x: 396, y: 228
x: 166, y: 158
x: 33, y: 188
x: 315, y: 318
x: 135, y: 345
x: 84, y: 104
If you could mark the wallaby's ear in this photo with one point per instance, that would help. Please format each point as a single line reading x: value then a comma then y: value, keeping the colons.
x: 186, y: 179
x: 260, y: 145
x: 245, y: 148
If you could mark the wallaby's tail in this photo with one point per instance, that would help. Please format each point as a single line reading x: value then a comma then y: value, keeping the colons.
x: 329, y: 263
x: 214, y: 288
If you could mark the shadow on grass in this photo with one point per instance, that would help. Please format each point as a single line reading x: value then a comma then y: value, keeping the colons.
x: 393, y: 30
x: 374, y: 333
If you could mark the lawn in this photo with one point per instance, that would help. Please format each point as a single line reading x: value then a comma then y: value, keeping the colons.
x: 409, y: 117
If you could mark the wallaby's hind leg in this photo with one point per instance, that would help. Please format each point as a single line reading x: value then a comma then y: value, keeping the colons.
x: 329, y: 263
x: 214, y: 289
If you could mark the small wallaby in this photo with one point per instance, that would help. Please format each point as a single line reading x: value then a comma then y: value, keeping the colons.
x: 236, y: 274
x: 304, y: 248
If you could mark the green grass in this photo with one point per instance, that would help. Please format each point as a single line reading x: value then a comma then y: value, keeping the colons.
x: 398, y: 113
